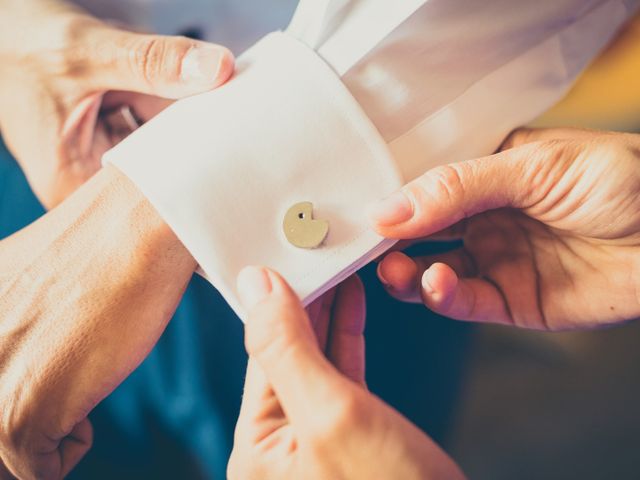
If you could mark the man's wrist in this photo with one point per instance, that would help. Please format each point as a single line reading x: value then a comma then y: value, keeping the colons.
x: 110, y: 208
x: 126, y: 211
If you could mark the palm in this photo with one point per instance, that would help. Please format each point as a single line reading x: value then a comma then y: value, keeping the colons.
x: 546, y: 276
x: 554, y: 263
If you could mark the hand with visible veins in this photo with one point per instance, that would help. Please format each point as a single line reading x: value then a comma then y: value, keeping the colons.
x: 64, y: 71
x: 306, y: 412
x: 551, y: 232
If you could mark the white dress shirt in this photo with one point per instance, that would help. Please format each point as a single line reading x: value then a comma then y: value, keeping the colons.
x: 357, y: 97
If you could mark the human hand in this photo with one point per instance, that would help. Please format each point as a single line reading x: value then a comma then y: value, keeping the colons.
x: 64, y: 72
x: 79, y: 311
x: 551, y: 229
x: 308, y: 416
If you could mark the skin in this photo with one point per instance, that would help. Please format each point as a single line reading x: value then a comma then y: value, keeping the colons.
x: 85, y: 291
x: 306, y: 412
x: 551, y: 231
x: 69, y: 69
x: 80, y: 310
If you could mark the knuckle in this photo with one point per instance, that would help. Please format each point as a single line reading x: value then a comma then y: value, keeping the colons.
x: 349, y: 411
x: 554, y: 150
x: 146, y: 58
x: 517, y: 137
x: 549, y: 153
x: 159, y: 57
x: 343, y: 415
x: 540, y: 166
x: 445, y: 183
x: 520, y: 136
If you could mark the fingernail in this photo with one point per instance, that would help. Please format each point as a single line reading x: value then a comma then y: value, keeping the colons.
x: 426, y: 285
x: 392, y: 210
x: 204, y: 64
x: 381, y: 277
x: 254, y: 285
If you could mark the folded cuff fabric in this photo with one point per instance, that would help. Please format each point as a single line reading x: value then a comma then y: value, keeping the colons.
x: 224, y: 168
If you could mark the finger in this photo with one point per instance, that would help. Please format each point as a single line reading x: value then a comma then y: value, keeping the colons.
x: 398, y: 273
x: 280, y: 338
x: 260, y: 412
x: 78, y: 130
x: 313, y: 310
x: 322, y: 321
x: 398, y: 247
x: 5, y: 474
x: 75, y: 446
x: 144, y: 106
x: 119, y: 123
x: 256, y: 387
x: 169, y: 67
x: 448, y: 194
x: 524, y: 136
x: 346, y: 344
x: 122, y: 113
x: 401, y: 274
x: 449, y: 234
x: 469, y: 299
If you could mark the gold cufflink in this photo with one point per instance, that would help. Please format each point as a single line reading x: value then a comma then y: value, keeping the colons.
x: 301, y: 229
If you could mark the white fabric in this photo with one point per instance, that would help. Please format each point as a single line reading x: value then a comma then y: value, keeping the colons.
x: 441, y: 80
x: 225, y: 189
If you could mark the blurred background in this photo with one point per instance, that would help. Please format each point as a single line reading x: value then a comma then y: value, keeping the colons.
x: 564, y: 405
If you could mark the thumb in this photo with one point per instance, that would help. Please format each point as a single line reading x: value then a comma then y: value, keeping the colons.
x: 279, y: 336
x: 163, y: 66
x: 449, y: 193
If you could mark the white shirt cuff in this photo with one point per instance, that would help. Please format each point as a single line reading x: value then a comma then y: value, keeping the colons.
x: 223, y: 168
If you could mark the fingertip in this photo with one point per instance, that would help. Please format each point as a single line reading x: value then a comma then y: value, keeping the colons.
x: 206, y: 66
x: 226, y: 68
x: 398, y: 272
x: 254, y: 284
x: 279, y: 285
x: 274, y: 310
x: 351, y: 286
x: 350, y: 305
x: 389, y: 212
x: 439, y: 283
x: 354, y: 284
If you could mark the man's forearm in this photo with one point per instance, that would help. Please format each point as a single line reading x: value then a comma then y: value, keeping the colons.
x: 85, y: 292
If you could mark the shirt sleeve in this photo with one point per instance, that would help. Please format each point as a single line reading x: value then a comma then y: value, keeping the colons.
x: 354, y: 99
x: 429, y: 73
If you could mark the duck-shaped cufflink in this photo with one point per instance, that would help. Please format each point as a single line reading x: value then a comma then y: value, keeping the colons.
x: 301, y: 229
